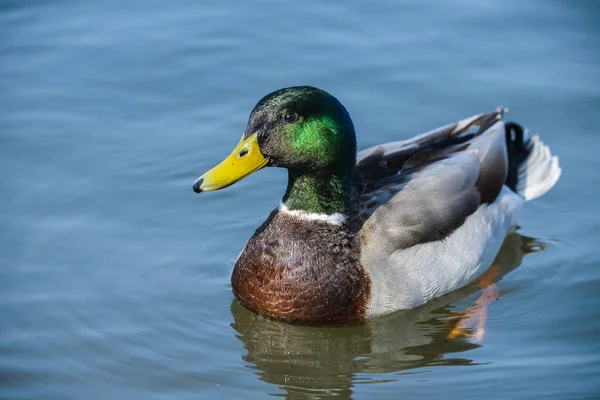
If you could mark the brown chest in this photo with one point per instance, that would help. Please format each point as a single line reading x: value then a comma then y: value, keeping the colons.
x: 303, y: 272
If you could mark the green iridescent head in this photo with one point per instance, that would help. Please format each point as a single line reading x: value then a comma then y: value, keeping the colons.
x: 304, y: 129
x: 307, y: 131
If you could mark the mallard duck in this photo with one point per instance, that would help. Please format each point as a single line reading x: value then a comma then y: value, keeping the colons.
x: 360, y: 235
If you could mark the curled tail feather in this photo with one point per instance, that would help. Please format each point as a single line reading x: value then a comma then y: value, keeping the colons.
x: 533, y: 170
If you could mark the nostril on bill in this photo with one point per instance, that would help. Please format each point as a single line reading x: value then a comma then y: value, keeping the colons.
x: 243, y: 153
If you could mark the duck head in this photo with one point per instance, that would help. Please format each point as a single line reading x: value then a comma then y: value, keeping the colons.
x: 305, y: 130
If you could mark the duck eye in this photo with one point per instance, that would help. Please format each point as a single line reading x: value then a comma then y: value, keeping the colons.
x: 290, y: 118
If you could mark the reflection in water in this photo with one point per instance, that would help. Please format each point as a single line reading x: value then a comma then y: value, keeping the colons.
x: 321, y: 361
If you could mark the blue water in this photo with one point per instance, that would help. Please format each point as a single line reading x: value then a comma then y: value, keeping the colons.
x: 114, y: 275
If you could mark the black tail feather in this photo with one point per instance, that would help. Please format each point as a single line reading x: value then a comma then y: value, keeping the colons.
x: 517, y: 152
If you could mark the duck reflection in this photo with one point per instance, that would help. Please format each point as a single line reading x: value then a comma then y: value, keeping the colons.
x: 313, y: 362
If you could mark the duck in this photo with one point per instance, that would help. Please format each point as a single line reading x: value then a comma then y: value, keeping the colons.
x: 359, y: 235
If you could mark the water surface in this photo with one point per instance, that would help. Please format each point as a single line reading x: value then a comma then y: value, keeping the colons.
x: 114, y: 275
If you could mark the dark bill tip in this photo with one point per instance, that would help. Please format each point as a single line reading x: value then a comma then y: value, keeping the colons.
x: 197, y: 185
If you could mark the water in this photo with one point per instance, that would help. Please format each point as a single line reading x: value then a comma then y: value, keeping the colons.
x: 114, y: 275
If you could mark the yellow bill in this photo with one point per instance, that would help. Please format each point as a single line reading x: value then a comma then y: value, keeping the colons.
x: 245, y: 159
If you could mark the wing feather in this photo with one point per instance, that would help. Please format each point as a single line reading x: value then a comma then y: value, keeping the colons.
x: 445, y: 176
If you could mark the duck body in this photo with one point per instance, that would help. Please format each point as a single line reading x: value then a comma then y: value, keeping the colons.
x: 363, y: 235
